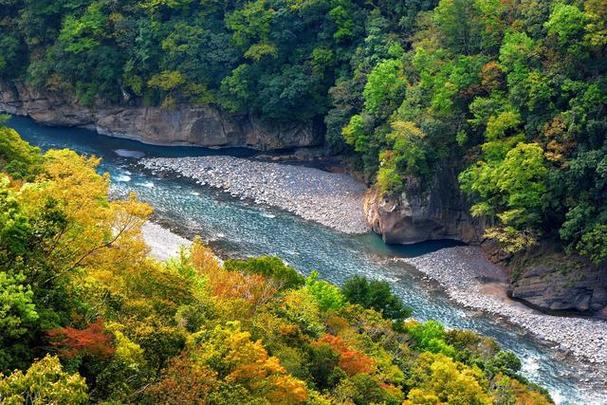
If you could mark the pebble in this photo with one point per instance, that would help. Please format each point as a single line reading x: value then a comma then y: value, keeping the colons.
x: 459, y: 271
x: 163, y: 243
x: 331, y: 199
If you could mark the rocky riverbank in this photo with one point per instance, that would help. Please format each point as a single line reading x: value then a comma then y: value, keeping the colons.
x: 474, y: 282
x: 331, y: 199
x: 434, y: 209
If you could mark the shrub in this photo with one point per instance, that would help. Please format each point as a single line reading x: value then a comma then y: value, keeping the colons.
x: 376, y: 295
x: 268, y: 266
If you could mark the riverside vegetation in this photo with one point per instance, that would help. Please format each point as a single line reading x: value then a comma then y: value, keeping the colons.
x: 87, y: 316
x: 511, y: 94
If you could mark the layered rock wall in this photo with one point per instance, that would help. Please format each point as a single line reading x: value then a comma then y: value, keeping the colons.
x: 552, y: 281
x: 204, y: 125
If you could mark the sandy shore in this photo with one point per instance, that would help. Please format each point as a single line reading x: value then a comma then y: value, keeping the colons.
x: 162, y: 242
x: 331, y: 199
x: 472, y: 281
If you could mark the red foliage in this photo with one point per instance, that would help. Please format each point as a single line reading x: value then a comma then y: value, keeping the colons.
x: 350, y: 360
x: 93, y: 340
x: 354, y: 362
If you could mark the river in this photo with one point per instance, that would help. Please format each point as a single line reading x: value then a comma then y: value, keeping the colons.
x: 237, y: 228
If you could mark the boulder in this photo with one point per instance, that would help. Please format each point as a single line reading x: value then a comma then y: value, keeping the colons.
x: 204, y: 125
x: 555, y: 282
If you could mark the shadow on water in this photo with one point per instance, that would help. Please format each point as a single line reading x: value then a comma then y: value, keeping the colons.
x: 413, y: 250
x: 239, y: 228
x: 109, y: 148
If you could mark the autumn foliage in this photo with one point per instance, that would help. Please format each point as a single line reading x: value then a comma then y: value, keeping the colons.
x: 196, y: 330
x: 350, y: 360
x: 184, y: 382
x: 93, y: 340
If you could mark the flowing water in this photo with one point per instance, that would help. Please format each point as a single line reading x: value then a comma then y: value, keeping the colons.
x: 239, y: 228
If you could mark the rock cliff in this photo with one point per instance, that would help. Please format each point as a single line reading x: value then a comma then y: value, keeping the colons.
x: 552, y: 281
x: 544, y: 279
x: 424, y: 212
x: 184, y: 125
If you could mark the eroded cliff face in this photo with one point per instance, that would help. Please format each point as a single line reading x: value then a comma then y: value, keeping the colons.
x: 543, y: 278
x: 184, y: 125
x: 552, y: 281
x: 424, y: 212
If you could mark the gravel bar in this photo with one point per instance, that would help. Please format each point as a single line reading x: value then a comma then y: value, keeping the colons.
x: 331, y: 199
x: 474, y: 282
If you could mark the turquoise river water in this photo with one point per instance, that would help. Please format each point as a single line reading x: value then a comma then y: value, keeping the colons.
x: 238, y: 228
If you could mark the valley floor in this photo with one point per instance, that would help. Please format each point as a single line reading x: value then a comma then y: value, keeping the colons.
x: 335, y: 200
x: 473, y: 282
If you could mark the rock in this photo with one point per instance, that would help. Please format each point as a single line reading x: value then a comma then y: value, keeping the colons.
x: 494, y: 252
x: 331, y: 199
x: 205, y: 125
x: 438, y: 211
x: 472, y: 281
x: 554, y: 282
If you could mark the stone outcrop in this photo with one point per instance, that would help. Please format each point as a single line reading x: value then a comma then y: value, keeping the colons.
x: 418, y: 214
x: 546, y: 280
x: 554, y: 282
x: 184, y: 125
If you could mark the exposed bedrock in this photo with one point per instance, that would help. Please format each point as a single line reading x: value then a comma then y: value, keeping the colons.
x: 544, y: 279
x: 420, y: 213
x: 555, y: 282
x: 204, y: 125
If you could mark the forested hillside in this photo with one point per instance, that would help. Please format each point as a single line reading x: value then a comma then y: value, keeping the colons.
x: 510, y: 93
x: 86, y: 316
x: 275, y: 58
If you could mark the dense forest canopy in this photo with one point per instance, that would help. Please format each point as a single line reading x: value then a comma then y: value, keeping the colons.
x: 509, y: 93
x: 513, y: 95
x: 275, y: 58
x: 87, y: 316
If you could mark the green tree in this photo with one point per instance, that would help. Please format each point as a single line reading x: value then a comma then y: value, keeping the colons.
x: 268, y: 266
x: 567, y: 23
x: 44, y: 382
x: 327, y: 295
x: 593, y: 244
x: 385, y: 88
x: 17, y: 157
x: 18, y: 316
x: 431, y: 336
x: 513, y: 189
x: 468, y: 27
x: 16, y: 307
x: 376, y: 295
x: 251, y: 29
x: 83, y: 34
